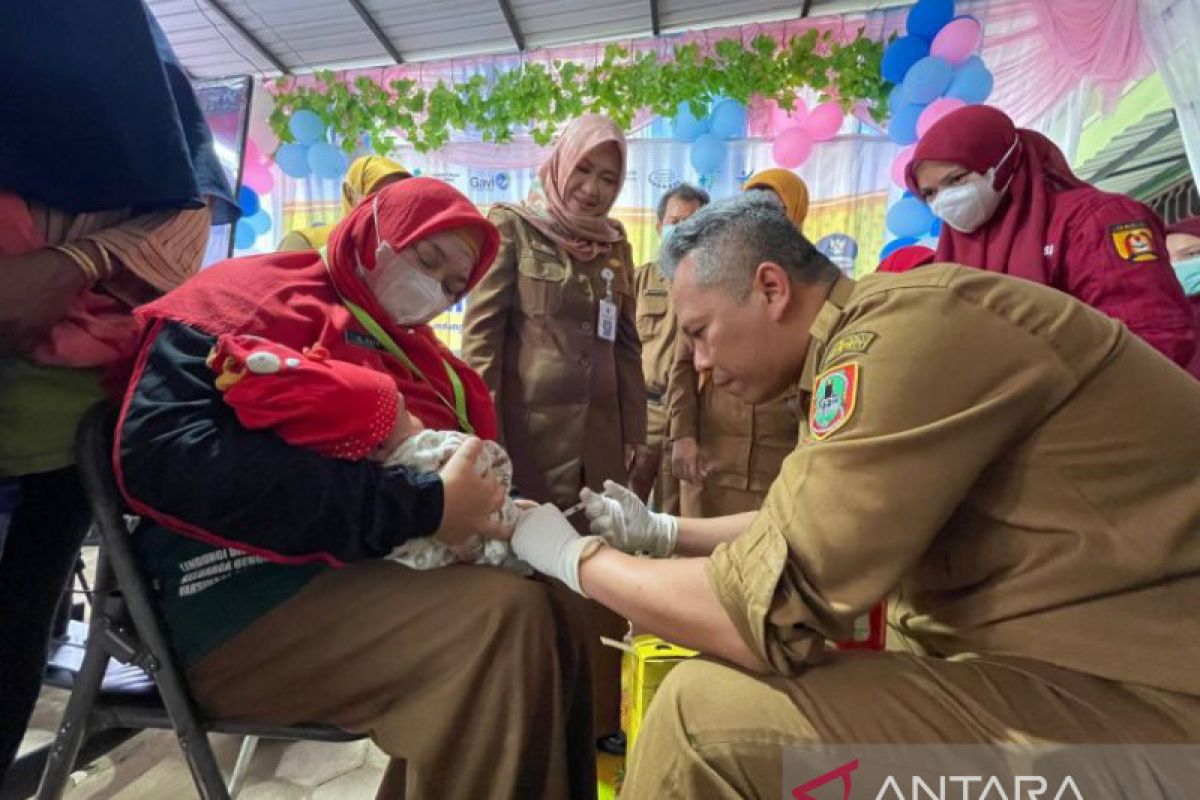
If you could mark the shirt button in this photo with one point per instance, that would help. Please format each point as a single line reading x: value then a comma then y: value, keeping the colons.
x: 585, y: 363
x: 586, y: 327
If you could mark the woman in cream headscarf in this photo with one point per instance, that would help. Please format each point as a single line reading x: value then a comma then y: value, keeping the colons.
x: 366, y: 176
x: 551, y: 330
x: 726, y: 452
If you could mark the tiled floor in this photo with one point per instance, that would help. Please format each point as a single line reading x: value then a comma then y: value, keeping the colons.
x: 150, y: 766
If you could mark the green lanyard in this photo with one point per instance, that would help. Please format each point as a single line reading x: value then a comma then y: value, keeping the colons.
x: 460, y: 397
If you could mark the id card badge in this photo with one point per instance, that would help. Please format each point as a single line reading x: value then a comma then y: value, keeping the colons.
x: 606, y: 325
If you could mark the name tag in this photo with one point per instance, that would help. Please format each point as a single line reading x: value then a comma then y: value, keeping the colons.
x: 606, y: 324
x: 363, y: 340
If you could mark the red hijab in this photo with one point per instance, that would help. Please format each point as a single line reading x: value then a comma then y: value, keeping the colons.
x: 1014, y: 239
x: 295, y: 300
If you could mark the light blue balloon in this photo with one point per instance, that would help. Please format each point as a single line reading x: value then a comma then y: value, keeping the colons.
x: 896, y: 244
x: 972, y: 82
x: 896, y: 99
x: 729, y: 119
x: 910, y: 217
x: 708, y: 154
x: 292, y: 159
x: 243, y: 235
x: 327, y: 161
x: 306, y: 126
x: 260, y: 222
x: 928, y: 17
x: 900, y: 55
x: 902, y: 129
x: 928, y: 79
x: 686, y: 126
x: 935, y: 230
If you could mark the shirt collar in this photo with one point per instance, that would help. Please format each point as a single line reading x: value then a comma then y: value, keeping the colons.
x: 823, y: 327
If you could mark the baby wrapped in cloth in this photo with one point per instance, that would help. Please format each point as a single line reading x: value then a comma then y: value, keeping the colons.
x: 344, y: 410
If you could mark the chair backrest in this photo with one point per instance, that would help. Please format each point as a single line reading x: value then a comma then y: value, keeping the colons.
x: 93, y: 456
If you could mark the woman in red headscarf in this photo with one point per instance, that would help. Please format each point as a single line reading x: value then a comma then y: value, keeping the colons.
x: 268, y: 556
x: 1011, y: 204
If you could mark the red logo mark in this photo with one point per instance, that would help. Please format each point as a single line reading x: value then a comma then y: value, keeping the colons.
x: 802, y: 792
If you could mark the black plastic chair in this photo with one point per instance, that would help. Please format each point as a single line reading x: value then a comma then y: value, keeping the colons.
x: 125, y: 625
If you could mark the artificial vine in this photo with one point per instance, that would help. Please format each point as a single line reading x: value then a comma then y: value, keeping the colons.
x: 538, y: 99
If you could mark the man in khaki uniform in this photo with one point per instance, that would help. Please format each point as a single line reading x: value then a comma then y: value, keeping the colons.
x: 656, y: 328
x: 1018, y: 465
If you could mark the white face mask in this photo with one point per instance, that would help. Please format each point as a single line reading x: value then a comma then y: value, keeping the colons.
x: 966, y: 206
x: 406, y: 292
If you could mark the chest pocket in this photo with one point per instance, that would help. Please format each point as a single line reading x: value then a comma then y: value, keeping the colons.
x: 652, y: 307
x: 541, y: 273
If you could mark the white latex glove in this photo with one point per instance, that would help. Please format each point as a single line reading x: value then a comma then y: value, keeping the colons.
x: 547, y: 541
x: 621, y: 518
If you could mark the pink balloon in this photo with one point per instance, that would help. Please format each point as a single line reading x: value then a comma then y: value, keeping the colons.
x: 958, y: 40
x: 792, y: 148
x: 935, y: 111
x: 900, y: 163
x: 253, y: 154
x: 782, y: 120
x: 825, y: 121
x: 259, y: 178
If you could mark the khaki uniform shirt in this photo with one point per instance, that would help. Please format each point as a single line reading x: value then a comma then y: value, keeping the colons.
x: 1020, y: 466
x: 567, y: 400
x: 656, y: 328
x: 743, y: 444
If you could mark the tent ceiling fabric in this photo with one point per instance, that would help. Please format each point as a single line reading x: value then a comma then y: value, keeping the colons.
x: 1141, y: 160
x: 219, y: 38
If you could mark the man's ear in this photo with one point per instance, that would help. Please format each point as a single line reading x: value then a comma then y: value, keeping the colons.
x: 775, y: 285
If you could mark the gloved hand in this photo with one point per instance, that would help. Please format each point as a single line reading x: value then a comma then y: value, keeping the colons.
x: 546, y: 541
x: 622, y: 519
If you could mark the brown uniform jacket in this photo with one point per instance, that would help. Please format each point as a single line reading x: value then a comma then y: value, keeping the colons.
x: 1025, y: 470
x: 743, y: 444
x: 567, y: 400
x: 656, y: 328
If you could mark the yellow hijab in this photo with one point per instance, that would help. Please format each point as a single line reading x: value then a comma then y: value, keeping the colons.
x: 791, y: 190
x: 361, y: 179
x: 364, y: 176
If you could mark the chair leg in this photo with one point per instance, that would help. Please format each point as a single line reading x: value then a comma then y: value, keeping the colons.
x: 242, y: 766
x: 74, y: 724
x: 197, y: 751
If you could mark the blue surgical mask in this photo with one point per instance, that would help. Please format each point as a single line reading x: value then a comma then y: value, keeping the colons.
x: 1188, y: 271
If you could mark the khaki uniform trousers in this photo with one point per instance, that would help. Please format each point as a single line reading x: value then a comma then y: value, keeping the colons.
x: 665, y: 495
x: 477, y: 678
x: 714, y: 731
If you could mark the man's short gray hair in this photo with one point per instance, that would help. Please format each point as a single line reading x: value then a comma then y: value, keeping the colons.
x: 730, y: 238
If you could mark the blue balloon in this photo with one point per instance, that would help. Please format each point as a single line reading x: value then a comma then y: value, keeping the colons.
x: 927, y: 80
x: 972, y: 83
x: 900, y: 55
x: 292, y: 159
x: 729, y: 119
x: 327, y: 161
x: 896, y: 99
x: 248, y: 201
x: 928, y: 17
x: 686, y: 126
x: 260, y: 222
x: 307, y: 127
x: 896, y: 244
x: 910, y: 217
x: 902, y: 129
x: 935, y: 230
x: 243, y: 235
x: 708, y: 154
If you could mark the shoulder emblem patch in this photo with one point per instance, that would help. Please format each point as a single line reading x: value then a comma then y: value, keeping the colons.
x: 1133, y: 241
x: 855, y: 342
x: 834, y: 398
